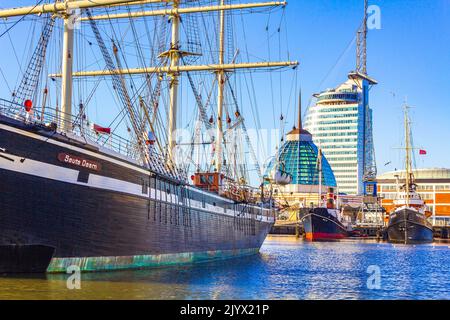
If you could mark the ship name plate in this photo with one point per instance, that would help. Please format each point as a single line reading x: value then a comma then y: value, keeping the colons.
x: 79, y: 162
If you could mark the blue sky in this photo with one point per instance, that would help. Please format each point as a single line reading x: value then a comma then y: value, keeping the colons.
x: 409, y: 56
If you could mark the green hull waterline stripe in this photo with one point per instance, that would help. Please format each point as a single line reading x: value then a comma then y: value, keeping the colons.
x: 144, y: 261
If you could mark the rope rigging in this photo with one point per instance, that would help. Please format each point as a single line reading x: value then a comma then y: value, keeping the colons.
x: 198, y: 99
x: 139, y: 99
x: 118, y: 84
x: 21, y: 18
x: 30, y: 80
x: 246, y: 136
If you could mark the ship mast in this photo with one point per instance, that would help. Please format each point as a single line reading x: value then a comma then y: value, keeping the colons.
x: 174, y: 55
x: 220, y: 90
x: 175, y: 69
x: 67, y: 66
x: 408, y: 155
x: 65, y: 9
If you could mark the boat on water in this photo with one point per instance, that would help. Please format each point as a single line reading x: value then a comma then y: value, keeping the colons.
x: 300, y: 167
x: 77, y: 194
x: 324, y: 223
x: 408, y: 222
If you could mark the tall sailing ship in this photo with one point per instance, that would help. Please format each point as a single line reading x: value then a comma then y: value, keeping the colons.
x: 74, y: 193
x: 408, y: 223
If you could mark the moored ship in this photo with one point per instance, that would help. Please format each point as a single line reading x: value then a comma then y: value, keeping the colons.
x: 324, y: 223
x: 408, y: 223
x: 73, y: 194
x: 92, y: 208
x: 297, y: 170
x: 409, y: 226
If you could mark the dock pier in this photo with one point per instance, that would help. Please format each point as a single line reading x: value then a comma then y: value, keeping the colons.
x: 293, y: 228
x: 442, y: 232
x: 367, y: 231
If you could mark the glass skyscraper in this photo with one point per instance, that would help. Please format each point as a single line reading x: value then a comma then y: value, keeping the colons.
x: 341, y: 123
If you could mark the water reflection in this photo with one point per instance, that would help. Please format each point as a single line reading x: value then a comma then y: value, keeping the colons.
x: 286, y: 268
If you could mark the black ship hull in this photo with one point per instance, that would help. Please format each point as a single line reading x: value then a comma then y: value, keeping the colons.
x: 320, y: 225
x: 409, y: 227
x: 25, y: 258
x: 100, y: 212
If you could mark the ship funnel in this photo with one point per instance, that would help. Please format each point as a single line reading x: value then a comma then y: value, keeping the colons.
x: 330, y: 198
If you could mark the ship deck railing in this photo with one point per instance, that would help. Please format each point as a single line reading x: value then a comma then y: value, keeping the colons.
x: 247, y: 194
x: 78, y: 127
x: 82, y: 130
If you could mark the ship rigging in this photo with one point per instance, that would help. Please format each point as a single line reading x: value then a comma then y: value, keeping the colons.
x: 115, y: 203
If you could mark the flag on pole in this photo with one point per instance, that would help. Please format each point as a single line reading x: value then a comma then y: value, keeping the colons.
x: 100, y: 129
x: 422, y: 152
x: 151, y: 139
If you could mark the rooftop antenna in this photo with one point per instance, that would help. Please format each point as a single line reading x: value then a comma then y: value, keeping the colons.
x: 299, y: 120
x: 361, y: 44
x: 364, y: 82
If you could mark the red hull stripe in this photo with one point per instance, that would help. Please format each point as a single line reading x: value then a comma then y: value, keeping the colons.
x: 323, y: 235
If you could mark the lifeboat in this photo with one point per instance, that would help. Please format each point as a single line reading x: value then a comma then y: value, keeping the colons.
x: 281, y: 177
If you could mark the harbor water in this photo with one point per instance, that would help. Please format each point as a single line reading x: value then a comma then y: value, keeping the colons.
x: 286, y: 268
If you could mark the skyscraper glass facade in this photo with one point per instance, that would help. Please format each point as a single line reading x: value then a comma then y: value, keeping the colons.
x: 336, y: 123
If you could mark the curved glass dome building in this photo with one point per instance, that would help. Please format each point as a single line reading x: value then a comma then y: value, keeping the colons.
x: 298, y: 158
